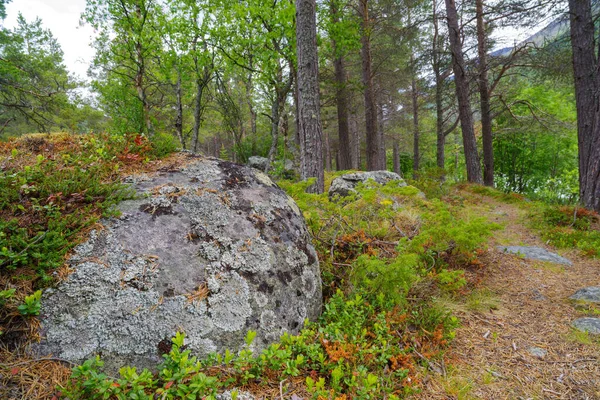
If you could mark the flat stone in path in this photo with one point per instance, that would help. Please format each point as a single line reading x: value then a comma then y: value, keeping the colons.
x: 589, y: 294
x: 590, y: 325
x: 538, y: 352
x: 535, y: 253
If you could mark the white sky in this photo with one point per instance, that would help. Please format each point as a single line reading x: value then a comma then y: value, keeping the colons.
x: 62, y: 18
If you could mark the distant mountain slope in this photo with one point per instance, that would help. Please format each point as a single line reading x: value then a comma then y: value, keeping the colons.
x: 552, y: 31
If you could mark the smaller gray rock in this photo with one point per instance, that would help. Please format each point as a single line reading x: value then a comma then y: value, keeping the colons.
x: 346, y: 184
x: 589, y: 294
x: 537, y: 352
x: 535, y: 253
x: 259, y: 163
x: 587, y: 324
x: 537, y: 295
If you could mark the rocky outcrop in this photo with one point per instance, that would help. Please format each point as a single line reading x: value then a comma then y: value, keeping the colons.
x: 535, y: 253
x: 214, y: 250
x: 346, y: 184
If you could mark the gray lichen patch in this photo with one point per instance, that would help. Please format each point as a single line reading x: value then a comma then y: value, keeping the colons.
x: 212, y: 225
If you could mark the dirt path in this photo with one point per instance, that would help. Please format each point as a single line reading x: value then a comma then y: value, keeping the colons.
x: 491, y: 356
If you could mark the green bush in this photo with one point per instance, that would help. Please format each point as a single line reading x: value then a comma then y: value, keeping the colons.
x: 164, y: 144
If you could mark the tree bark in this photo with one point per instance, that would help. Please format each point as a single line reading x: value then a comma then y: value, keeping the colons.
x: 381, y: 126
x: 375, y: 160
x: 341, y: 98
x: 396, y: 157
x: 354, y: 141
x: 484, y: 98
x: 462, y: 94
x: 415, y: 111
x: 587, y: 99
x: 311, y: 131
x: 202, y: 78
x: 439, y: 106
x: 179, y: 106
x: 140, y: 76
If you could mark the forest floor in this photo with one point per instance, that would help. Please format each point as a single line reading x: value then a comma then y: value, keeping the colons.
x: 519, y: 305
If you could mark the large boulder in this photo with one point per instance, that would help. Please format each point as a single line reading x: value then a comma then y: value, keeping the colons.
x: 214, y: 249
x: 346, y: 184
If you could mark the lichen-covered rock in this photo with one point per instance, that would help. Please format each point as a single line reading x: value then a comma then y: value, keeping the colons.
x: 535, y: 253
x: 259, y: 163
x: 214, y: 250
x: 588, y: 324
x: 345, y: 185
x: 589, y: 294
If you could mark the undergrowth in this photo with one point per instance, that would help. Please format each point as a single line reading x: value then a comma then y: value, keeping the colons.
x: 53, y: 188
x: 384, y: 254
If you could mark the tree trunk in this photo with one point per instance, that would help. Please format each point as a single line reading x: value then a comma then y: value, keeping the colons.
x: 396, y: 157
x: 140, y: 76
x: 202, y: 79
x: 354, y: 142
x: 327, y: 152
x: 484, y: 98
x: 381, y: 127
x: 341, y: 97
x: 251, y: 105
x: 375, y: 160
x: 415, y: 110
x: 462, y: 93
x: 587, y: 98
x: 439, y: 107
x: 275, y: 114
x: 179, y: 106
x: 311, y: 131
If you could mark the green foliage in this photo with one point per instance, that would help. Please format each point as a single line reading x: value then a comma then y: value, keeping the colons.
x: 163, y: 144
x: 535, y: 145
x: 393, y: 277
x: 58, y: 200
x: 6, y: 295
x: 34, y: 79
x: 356, y: 348
x: 32, y: 304
x: 569, y: 227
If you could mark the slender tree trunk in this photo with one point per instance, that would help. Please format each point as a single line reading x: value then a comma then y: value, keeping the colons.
x: 296, y: 109
x: 275, y: 116
x: 439, y: 106
x: 462, y: 93
x: 327, y: 152
x: 396, y: 157
x: 179, y: 106
x: 375, y: 160
x: 381, y: 126
x: 141, y: 75
x: 311, y: 131
x: 141, y: 91
x: 354, y: 142
x: 203, y: 76
x: 341, y: 97
x: 251, y: 105
x: 587, y: 98
x: 484, y: 98
x: 416, y: 134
